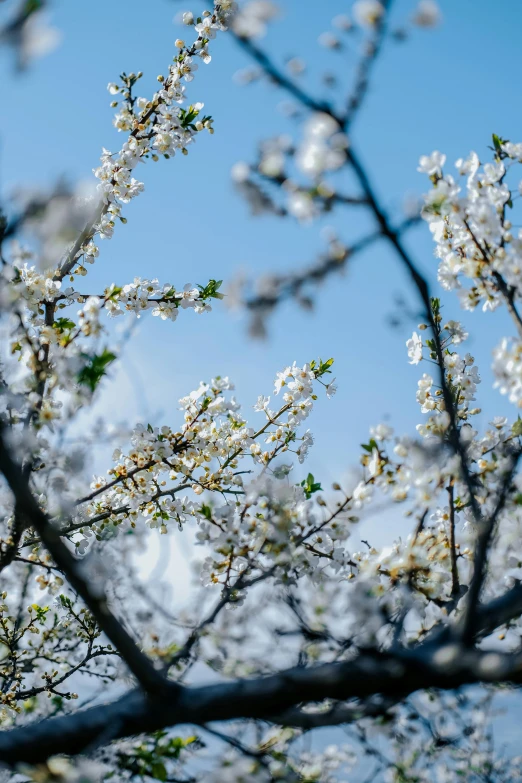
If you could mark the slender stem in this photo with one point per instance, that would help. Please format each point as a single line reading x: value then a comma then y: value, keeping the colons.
x: 455, y: 585
x: 366, y: 63
x: 507, y: 292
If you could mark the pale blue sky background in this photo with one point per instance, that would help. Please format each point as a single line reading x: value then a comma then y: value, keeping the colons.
x: 448, y: 88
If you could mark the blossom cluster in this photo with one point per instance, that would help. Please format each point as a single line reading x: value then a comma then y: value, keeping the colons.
x: 480, y: 254
x: 321, y: 151
x: 52, y: 350
x: 156, y: 126
x: 319, y: 767
x: 205, y: 457
x: 471, y: 227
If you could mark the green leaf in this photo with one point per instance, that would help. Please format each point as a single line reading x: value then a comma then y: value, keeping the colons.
x: 497, y: 142
x: 187, y: 116
x: 435, y: 305
x: 210, y: 291
x: 40, y: 612
x: 63, y: 324
x: 95, y: 368
x: 114, y: 292
x: 30, y: 705
x: 206, y: 511
x: 31, y: 6
x: 516, y: 428
x: 370, y: 446
x: 310, y: 486
x: 321, y: 368
x: 159, y: 771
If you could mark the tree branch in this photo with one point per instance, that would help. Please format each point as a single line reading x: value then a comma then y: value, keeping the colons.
x: 141, y: 667
x: 394, y: 675
x: 485, y: 534
x: 290, y: 285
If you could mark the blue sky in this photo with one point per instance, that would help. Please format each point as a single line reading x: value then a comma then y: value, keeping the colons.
x: 448, y: 88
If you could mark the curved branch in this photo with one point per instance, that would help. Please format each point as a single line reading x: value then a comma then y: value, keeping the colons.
x: 393, y: 675
x: 141, y: 667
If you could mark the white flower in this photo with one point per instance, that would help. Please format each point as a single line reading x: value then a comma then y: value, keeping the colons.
x: 507, y: 368
x: 252, y: 18
x: 206, y: 28
x: 38, y: 37
x: 301, y: 206
x: 432, y: 164
x: 414, y: 346
x: 374, y: 463
x: 331, y: 389
x: 457, y: 332
x: 281, y: 380
x: 367, y: 12
x: 262, y: 403
x: 427, y: 14
x: 513, y: 150
x: 381, y: 432
x: 240, y: 172
x: 361, y: 494
x: 329, y: 41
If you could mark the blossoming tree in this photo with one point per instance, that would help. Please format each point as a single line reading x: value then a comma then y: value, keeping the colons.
x: 102, y: 681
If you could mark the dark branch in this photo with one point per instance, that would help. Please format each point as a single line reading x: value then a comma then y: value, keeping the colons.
x: 392, y: 675
x: 26, y: 505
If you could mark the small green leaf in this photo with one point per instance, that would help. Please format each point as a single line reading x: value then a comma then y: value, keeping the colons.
x: 435, y: 305
x: 321, y: 368
x: 497, y: 142
x: 113, y: 292
x: 159, y: 771
x: 206, y: 511
x: 310, y: 486
x: 370, y: 446
x: 63, y: 324
x: 95, y: 368
x: 31, y: 6
x: 211, y: 290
